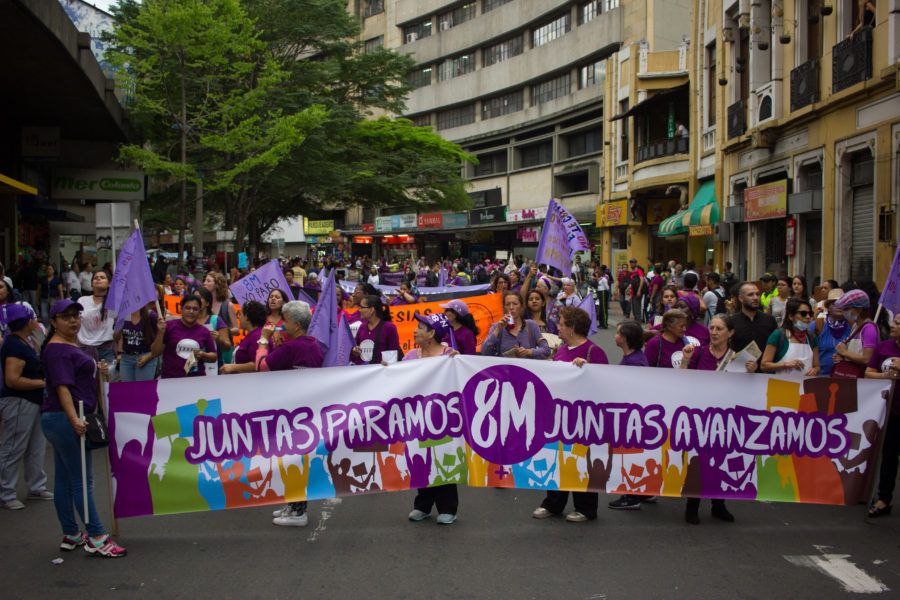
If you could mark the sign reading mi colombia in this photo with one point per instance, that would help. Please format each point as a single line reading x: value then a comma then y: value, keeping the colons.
x: 75, y: 184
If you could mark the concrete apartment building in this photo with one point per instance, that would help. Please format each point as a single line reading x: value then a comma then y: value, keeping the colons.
x: 521, y: 85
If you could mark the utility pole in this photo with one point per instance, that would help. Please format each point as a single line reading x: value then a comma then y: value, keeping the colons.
x: 198, y: 218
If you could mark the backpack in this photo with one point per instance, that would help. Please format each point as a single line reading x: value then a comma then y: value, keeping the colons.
x: 720, y: 302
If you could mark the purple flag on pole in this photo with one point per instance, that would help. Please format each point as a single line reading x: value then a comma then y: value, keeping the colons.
x: 338, y: 354
x: 890, y: 296
x: 132, y: 284
x: 260, y: 283
x: 324, y: 323
x: 442, y: 277
x: 561, y: 238
x: 588, y: 306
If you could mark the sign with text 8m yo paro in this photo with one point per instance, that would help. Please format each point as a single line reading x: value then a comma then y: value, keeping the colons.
x: 209, y: 443
x: 260, y: 283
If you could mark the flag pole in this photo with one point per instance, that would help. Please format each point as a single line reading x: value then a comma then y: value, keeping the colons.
x: 84, y: 484
x: 104, y: 406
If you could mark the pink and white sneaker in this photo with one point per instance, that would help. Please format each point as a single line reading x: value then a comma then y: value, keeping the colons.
x: 70, y: 542
x: 105, y: 547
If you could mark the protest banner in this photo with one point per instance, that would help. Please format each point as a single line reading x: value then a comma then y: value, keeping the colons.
x: 561, y: 238
x: 200, y: 444
x: 258, y: 284
x: 456, y: 291
x: 132, y: 285
x: 486, y: 310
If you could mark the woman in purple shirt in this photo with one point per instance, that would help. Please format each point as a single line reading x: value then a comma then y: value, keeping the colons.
x: 178, y: 339
x: 667, y: 349
x: 574, y: 325
x: 254, y: 314
x: 376, y: 334
x: 71, y: 378
x: 885, y: 364
x: 513, y: 335
x: 464, y: 328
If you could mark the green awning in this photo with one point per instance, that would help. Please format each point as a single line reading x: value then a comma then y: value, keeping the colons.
x: 703, y: 210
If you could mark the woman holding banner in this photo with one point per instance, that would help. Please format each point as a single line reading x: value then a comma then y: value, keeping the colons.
x: 792, y: 347
x: 852, y: 355
x: 184, y: 343
x: 666, y: 350
x: 464, y: 328
x: 71, y: 378
x: 514, y: 336
x: 298, y: 351
x: 885, y: 364
x: 254, y: 314
x: 574, y: 325
x: 434, y: 337
x: 376, y: 335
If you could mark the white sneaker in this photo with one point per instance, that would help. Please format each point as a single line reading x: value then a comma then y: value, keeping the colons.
x: 281, y: 511
x: 291, y: 519
x: 541, y: 513
x: 14, y: 505
x: 576, y: 517
x: 446, y: 519
x: 418, y: 515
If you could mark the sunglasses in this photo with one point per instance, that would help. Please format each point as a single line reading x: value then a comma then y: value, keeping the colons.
x: 804, y: 313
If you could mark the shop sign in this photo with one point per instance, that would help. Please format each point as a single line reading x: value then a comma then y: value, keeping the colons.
x: 75, y: 184
x: 526, y: 214
x: 431, y: 221
x: 790, y: 247
x: 398, y: 239
x: 528, y: 233
x: 407, y: 221
x: 767, y: 201
x: 40, y: 142
x: 700, y: 230
x: 488, y: 216
x: 363, y: 239
x: 323, y: 227
x: 455, y: 220
x: 612, y: 214
x: 384, y: 224
x: 368, y: 227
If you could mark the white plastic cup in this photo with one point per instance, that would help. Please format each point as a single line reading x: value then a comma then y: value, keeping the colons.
x: 389, y: 356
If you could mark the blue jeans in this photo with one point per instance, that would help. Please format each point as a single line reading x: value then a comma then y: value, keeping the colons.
x: 129, y: 371
x: 67, y: 485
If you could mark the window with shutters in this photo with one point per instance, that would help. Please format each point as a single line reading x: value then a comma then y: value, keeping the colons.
x: 551, y: 30
x: 456, y: 117
x: 502, y: 105
x: 503, y: 51
x: 550, y: 89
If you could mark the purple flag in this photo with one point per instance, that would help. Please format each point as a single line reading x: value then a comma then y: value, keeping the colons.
x: 442, y: 277
x: 132, y: 284
x: 324, y: 323
x: 890, y: 296
x: 260, y: 283
x: 588, y: 306
x: 561, y: 238
x: 338, y: 354
x: 304, y: 297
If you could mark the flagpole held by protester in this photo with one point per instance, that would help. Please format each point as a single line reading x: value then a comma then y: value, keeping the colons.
x: 84, y: 480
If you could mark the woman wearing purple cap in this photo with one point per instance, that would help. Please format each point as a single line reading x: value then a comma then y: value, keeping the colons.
x: 71, y: 378
x: 852, y: 355
x: 464, y: 328
x: 21, y: 394
x: 434, y: 337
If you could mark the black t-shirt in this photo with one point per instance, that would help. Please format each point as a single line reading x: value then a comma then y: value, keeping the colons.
x: 16, y: 347
x: 757, y: 330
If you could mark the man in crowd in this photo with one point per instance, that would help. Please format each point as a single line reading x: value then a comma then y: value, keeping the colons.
x: 768, y: 289
x: 751, y: 323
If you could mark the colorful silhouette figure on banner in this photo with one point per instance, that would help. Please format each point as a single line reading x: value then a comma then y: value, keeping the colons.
x: 650, y: 484
x: 535, y: 473
x: 349, y: 478
x: 419, y: 468
x: 598, y: 470
x: 320, y: 485
x: 237, y: 477
x: 392, y: 478
x: 451, y: 468
x: 570, y: 476
x: 295, y: 479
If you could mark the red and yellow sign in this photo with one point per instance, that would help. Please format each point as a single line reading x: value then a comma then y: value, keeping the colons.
x: 766, y: 201
x: 700, y: 230
x: 612, y: 214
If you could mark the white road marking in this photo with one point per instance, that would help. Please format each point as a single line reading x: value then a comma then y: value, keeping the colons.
x: 838, y: 567
x: 327, y: 508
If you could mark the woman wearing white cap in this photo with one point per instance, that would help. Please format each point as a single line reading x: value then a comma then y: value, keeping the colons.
x: 463, y: 323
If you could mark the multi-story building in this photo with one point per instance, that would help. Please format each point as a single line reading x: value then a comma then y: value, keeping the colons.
x: 518, y: 84
x: 806, y: 95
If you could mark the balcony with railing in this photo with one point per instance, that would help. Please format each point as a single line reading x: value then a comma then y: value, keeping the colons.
x: 805, y: 84
x: 661, y: 148
x: 852, y: 60
x: 737, y: 119
x: 666, y: 63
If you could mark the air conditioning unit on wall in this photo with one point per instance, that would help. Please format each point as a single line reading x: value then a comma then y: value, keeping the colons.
x: 411, y: 37
x: 722, y: 232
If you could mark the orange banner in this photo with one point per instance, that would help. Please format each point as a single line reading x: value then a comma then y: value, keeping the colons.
x: 172, y: 304
x: 486, y: 310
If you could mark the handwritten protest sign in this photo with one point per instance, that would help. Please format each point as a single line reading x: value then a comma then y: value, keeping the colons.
x: 258, y: 284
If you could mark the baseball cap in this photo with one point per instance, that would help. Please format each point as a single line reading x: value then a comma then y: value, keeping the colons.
x: 457, y: 306
x: 441, y: 326
x: 853, y: 299
x: 63, y: 306
x: 767, y: 277
x: 15, y: 312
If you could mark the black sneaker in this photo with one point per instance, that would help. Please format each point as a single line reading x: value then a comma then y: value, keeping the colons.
x: 626, y: 502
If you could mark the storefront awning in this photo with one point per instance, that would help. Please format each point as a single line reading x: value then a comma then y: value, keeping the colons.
x: 703, y: 210
x: 8, y: 185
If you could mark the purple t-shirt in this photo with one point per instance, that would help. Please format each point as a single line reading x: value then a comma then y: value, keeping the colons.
x: 886, y: 350
x: 589, y: 351
x: 703, y: 360
x: 465, y: 340
x: 68, y: 365
x: 663, y: 353
x: 635, y: 359
x: 246, y: 350
x: 177, y: 333
x: 373, y: 342
x: 695, y: 330
x: 299, y: 353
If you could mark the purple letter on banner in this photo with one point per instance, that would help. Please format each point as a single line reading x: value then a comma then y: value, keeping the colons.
x: 561, y: 238
x: 258, y: 284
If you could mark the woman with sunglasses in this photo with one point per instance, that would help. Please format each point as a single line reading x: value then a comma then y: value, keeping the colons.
x: 792, y: 347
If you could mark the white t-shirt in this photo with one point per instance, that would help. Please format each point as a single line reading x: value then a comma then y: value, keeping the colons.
x: 373, y: 279
x: 711, y: 301
x: 86, y: 279
x: 95, y: 331
x: 72, y: 282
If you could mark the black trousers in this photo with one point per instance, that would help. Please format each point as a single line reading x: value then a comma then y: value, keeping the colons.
x: 887, y: 478
x: 585, y: 502
x: 603, y: 315
x: 445, y: 497
x: 693, y: 504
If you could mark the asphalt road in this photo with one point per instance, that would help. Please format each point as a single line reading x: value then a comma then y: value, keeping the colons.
x: 364, y: 547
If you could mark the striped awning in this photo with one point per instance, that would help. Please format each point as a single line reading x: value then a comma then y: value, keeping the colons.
x: 703, y: 210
